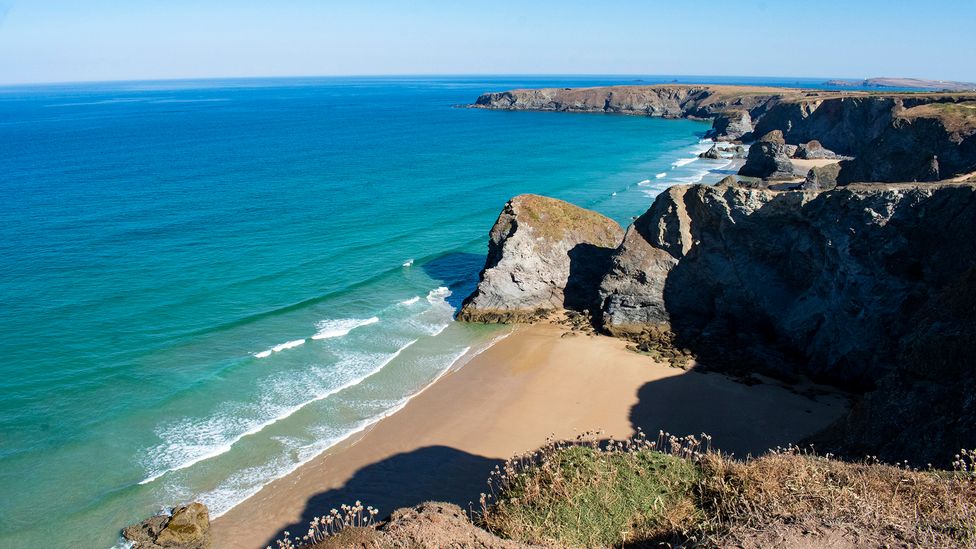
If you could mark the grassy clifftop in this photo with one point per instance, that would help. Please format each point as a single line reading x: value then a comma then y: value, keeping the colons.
x: 634, y: 494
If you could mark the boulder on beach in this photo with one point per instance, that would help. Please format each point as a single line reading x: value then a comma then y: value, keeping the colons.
x: 188, y: 527
x: 814, y: 151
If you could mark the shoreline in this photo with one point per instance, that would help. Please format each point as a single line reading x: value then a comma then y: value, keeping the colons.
x: 530, y: 385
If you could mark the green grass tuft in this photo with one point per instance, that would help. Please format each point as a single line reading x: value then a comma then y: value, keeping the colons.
x: 587, y: 495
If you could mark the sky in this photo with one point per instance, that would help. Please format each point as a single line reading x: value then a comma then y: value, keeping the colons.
x: 94, y: 40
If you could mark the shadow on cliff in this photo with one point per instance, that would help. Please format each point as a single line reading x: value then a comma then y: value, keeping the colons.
x: 587, y: 265
x: 437, y: 473
x: 458, y: 272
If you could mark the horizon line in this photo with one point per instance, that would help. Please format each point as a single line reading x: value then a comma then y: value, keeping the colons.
x: 438, y: 75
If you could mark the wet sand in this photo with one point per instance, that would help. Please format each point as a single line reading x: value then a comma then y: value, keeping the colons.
x: 530, y: 386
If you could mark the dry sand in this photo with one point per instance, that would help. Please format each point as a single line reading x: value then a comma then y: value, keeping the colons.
x: 802, y: 166
x: 509, y: 399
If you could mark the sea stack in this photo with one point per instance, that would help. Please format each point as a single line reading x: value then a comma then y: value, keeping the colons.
x: 543, y: 255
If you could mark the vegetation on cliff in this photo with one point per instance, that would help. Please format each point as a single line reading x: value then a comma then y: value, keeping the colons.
x: 673, y: 492
x: 677, y: 492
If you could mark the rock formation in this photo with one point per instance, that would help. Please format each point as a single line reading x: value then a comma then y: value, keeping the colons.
x: 833, y: 285
x: 188, y: 527
x: 731, y: 126
x: 712, y: 153
x: 821, y: 178
x: 543, y: 255
x: 769, y: 158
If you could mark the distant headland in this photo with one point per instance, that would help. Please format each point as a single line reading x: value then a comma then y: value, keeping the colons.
x: 912, y: 83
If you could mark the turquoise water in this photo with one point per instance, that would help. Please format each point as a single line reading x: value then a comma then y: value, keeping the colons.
x: 205, y: 284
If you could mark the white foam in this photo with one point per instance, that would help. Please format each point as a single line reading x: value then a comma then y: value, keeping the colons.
x: 683, y: 162
x: 644, y: 182
x: 337, y: 328
x: 215, y: 428
x: 661, y: 175
x: 438, y: 295
x: 280, y: 347
x: 222, y: 500
x: 410, y: 301
x: 408, y: 263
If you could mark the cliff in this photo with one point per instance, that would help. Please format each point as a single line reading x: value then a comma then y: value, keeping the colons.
x: 543, y: 254
x: 843, y: 286
x: 893, y: 137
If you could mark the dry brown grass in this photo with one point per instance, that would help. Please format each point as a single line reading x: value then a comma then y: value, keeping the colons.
x: 955, y: 116
x: 584, y: 494
x: 903, y: 505
x: 553, y: 219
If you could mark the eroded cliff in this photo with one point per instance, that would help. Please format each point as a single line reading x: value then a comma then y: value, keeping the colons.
x: 851, y: 286
x: 543, y: 254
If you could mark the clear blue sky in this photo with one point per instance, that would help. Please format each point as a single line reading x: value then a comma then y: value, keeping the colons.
x: 79, y: 40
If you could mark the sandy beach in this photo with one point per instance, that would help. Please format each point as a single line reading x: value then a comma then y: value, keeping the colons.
x: 530, y: 386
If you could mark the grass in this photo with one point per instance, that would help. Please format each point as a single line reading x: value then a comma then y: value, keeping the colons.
x: 956, y: 116
x: 553, y: 219
x: 677, y: 492
x: 672, y: 492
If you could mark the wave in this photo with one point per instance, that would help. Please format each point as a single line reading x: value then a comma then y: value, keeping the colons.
x: 286, y: 413
x: 408, y: 263
x: 661, y: 175
x: 410, y: 301
x: 644, y: 182
x: 337, y: 328
x: 438, y: 294
x: 312, y: 451
x: 280, y: 347
x: 683, y: 162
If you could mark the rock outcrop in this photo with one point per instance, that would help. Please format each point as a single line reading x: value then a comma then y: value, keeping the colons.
x: 821, y: 178
x: 188, y: 527
x: 712, y: 153
x: 769, y: 158
x: 852, y: 286
x: 731, y: 126
x: 543, y: 255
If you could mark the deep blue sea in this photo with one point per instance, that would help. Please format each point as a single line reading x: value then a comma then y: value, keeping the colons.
x: 205, y: 284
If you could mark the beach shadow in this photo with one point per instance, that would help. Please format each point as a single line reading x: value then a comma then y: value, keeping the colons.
x: 437, y: 473
x: 742, y: 419
x: 458, y: 272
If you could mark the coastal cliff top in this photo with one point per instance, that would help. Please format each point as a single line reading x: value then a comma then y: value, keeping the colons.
x: 552, y: 218
x: 725, y: 91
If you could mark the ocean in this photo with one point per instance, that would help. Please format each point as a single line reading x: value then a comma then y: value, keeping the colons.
x: 205, y: 284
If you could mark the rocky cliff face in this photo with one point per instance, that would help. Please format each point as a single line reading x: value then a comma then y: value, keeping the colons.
x: 848, y: 286
x: 892, y: 137
x: 672, y: 101
x: 543, y: 254
x: 834, y: 278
